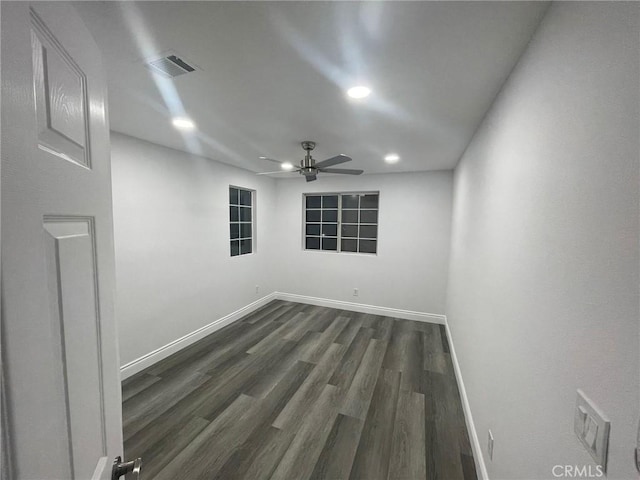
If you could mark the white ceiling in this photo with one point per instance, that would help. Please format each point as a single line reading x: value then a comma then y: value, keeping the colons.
x: 274, y: 73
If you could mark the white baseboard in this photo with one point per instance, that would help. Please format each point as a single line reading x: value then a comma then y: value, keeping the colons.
x: 150, y: 358
x: 478, y: 457
x: 363, y: 308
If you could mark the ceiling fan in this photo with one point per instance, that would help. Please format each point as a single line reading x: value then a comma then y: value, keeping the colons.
x: 308, y: 166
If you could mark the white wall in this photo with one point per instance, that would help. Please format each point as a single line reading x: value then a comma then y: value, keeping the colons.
x: 543, y: 288
x: 171, y: 223
x: 410, y: 270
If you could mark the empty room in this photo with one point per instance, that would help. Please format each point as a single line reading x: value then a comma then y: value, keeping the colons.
x: 296, y: 240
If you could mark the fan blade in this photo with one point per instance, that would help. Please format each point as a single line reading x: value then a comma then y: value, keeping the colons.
x: 311, y: 178
x: 346, y: 171
x: 279, y: 171
x: 333, y: 161
x: 272, y: 160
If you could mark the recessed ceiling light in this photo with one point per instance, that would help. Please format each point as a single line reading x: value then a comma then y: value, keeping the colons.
x: 183, y: 123
x: 287, y: 166
x: 359, y: 92
x: 392, y: 158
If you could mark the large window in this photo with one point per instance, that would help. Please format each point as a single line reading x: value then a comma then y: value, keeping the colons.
x: 241, y: 220
x: 341, y: 222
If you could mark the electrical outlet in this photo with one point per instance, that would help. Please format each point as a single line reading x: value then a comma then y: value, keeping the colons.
x: 257, y: 288
x: 355, y: 292
x: 490, y: 445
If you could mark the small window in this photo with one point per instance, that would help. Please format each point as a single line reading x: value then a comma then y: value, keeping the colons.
x: 341, y: 222
x: 241, y: 220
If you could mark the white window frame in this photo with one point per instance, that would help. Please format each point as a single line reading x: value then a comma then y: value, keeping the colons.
x: 252, y: 222
x: 339, y: 237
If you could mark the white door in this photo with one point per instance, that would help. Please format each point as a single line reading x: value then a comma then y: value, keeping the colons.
x: 59, y: 337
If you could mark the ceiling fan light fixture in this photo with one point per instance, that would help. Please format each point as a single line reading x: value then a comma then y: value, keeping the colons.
x: 359, y: 91
x: 392, y: 158
x: 183, y: 123
x: 287, y: 166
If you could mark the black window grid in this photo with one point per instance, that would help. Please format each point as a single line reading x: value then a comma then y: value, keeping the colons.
x: 241, y: 225
x: 364, y: 219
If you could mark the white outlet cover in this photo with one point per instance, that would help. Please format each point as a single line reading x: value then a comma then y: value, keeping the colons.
x: 592, y: 426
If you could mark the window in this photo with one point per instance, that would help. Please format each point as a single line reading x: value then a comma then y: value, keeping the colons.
x: 241, y: 220
x: 341, y: 222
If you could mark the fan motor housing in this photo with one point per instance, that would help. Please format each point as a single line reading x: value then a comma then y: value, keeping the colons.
x: 308, y: 145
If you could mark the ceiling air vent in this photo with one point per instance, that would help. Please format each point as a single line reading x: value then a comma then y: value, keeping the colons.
x: 170, y: 66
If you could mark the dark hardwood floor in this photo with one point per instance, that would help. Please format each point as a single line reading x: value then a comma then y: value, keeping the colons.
x: 301, y: 392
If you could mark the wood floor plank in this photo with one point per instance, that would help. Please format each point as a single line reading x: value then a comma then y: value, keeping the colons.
x: 447, y: 400
x: 157, y: 457
x: 218, y: 353
x: 281, y: 315
x: 468, y: 467
x: 412, y: 360
x: 443, y: 337
x: 141, y: 410
x: 259, y: 422
x: 449, y: 460
x: 168, y: 423
x: 321, y: 319
x: 374, y: 450
x: 343, y: 376
x: 257, y: 414
x: 302, y: 323
x: 349, y: 333
x: 242, y: 379
x: 448, y: 419
x: 272, y: 310
x: 370, y: 320
x: 206, y: 453
x: 202, y: 347
x: 327, y: 337
x: 408, y: 445
x: 299, y: 460
x: 417, y: 326
x: 433, y: 340
x: 404, y: 354
x: 439, y: 363
x: 336, y: 458
x: 140, y: 383
x: 306, y: 345
x: 277, y: 334
x: 358, y: 397
x: 384, y: 329
x: 265, y: 309
x: 292, y: 415
x: 431, y: 451
x: 268, y: 409
x: 259, y: 456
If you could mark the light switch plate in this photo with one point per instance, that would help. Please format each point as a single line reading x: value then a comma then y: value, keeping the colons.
x: 591, y: 426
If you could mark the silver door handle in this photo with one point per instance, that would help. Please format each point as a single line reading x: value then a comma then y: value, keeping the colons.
x: 121, y: 468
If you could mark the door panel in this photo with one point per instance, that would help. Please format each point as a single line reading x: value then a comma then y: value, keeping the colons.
x: 73, y: 285
x: 59, y: 337
x: 60, y: 96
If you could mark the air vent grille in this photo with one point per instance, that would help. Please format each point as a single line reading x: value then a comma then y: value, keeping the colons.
x: 170, y: 66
